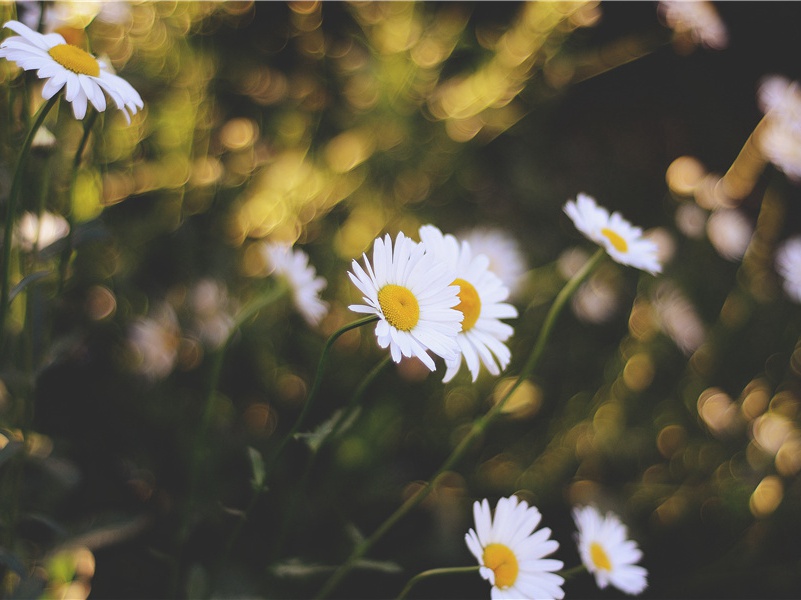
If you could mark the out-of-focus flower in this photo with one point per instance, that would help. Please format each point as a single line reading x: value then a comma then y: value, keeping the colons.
x: 788, y: 265
x: 607, y: 552
x: 293, y: 265
x: 511, y: 554
x: 596, y: 300
x: 154, y: 342
x: 72, y: 13
x: 678, y: 318
x: 621, y: 240
x: 481, y: 296
x: 412, y: 294
x: 730, y: 232
x: 505, y: 258
x: 43, y: 139
x: 780, y: 140
x: 63, y: 65
x: 41, y: 231
x: 691, y: 220
x: 209, y: 302
x: 697, y: 19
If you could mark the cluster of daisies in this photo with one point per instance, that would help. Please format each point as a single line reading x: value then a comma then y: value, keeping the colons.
x: 512, y: 555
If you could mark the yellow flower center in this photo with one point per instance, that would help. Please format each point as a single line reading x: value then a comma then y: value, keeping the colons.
x: 503, y: 562
x: 469, y: 303
x: 599, y: 557
x: 76, y: 60
x: 399, y: 306
x: 615, y: 239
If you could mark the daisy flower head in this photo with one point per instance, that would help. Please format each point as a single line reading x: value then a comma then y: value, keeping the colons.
x: 788, y: 264
x: 481, y: 296
x: 84, y: 78
x: 293, y: 266
x: 622, y: 241
x: 411, y: 293
x: 511, y: 554
x: 607, y: 553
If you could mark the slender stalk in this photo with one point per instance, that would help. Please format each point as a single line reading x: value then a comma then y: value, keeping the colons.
x: 572, y: 571
x: 478, y: 426
x: 355, y: 400
x: 435, y: 573
x: 11, y: 209
x: 318, y: 377
x: 76, y: 163
x: 258, y: 490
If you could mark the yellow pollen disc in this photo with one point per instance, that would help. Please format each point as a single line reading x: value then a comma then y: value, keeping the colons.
x: 76, y: 60
x: 469, y: 303
x: 599, y: 557
x: 503, y: 562
x: 616, y: 239
x: 399, y: 306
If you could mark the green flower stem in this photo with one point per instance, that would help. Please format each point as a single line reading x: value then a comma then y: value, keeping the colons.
x: 318, y: 377
x: 478, y: 426
x: 435, y: 573
x: 572, y: 572
x: 76, y: 163
x: 355, y: 400
x: 11, y: 209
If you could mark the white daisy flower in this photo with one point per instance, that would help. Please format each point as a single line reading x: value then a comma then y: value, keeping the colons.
x: 305, y: 286
x: 696, y: 18
x: 411, y: 292
x: 40, y: 231
x: 505, y: 258
x: 607, y: 553
x: 788, y: 264
x: 481, y: 296
x: 729, y: 232
x: 63, y: 65
x: 621, y: 240
x: 511, y: 555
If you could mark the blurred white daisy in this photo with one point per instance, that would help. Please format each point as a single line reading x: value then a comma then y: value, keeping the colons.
x: 596, y: 300
x: 154, y: 342
x: 788, y: 264
x: 212, y: 320
x: 697, y: 19
x: 607, y: 553
x: 505, y: 258
x: 293, y: 266
x: 40, y: 231
x: 481, y: 296
x: 780, y: 138
x: 411, y: 293
x: 678, y: 318
x: 511, y: 555
x: 63, y: 65
x: 621, y: 240
x: 730, y: 232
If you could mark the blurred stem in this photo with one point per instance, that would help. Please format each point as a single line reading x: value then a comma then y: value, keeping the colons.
x: 572, y: 572
x: 11, y: 208
x: 259, y: 489
x: 355, y: 400
x: 318, y: 377
x: 76, y: 164
x: 479, y: 426
x: 435, y: 573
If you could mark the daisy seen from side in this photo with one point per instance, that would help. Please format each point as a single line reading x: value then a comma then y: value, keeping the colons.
x: 305, y: 286
x: 788, y: 265
x: 481, y: 296
x: 506, y: 259
x: 622, y: 241
x: 606, y: 551
x: 410, y: 291
x: 511, y: 554
x: 64, y: 66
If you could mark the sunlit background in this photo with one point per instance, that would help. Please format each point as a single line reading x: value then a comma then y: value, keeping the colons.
x: 673, y: 400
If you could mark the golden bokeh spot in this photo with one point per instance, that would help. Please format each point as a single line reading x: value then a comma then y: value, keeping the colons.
x: 399, y: 306
x: 615, y: 239
x: 74, y: 59
x: 503, y: 562
x: 599, y: 558
x: 469, y: 303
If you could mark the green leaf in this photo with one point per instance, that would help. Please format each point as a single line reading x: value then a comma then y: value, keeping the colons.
x: 257, y: 468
